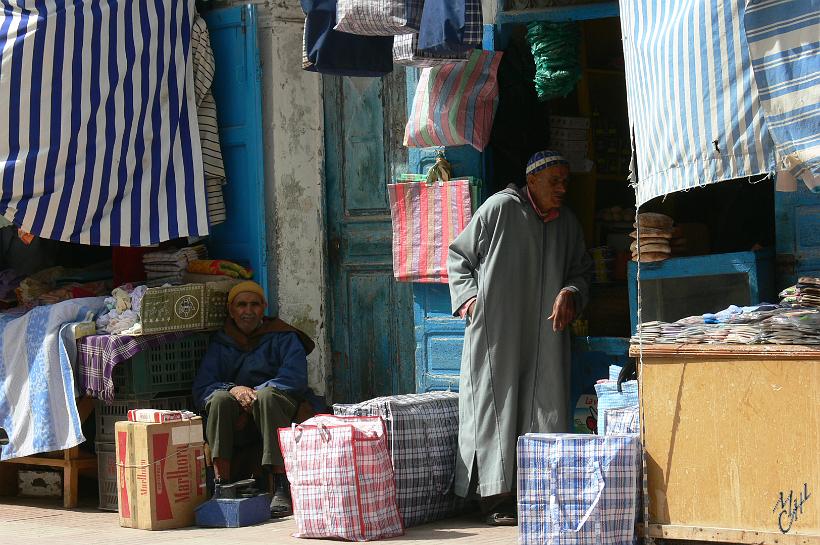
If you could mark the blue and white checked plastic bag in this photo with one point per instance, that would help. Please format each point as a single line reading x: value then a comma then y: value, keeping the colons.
x: 577, y: 489
x: 610, y: 398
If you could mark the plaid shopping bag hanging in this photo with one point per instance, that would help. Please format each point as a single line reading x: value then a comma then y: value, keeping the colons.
x: 426, y: 218
x: 406, y: 52
x: 378, y: 17
x: 341, y: 478
x: 455, y: 103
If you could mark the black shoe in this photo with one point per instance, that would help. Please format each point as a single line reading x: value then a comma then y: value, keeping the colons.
x: 280, y: 503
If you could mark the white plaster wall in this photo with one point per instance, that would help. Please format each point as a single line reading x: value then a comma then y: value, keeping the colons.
x: 293, y: 129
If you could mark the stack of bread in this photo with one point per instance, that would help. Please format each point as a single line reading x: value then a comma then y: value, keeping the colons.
x: 655, y: 235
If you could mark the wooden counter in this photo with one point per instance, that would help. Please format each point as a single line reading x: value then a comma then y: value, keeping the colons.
x: 732, y: 438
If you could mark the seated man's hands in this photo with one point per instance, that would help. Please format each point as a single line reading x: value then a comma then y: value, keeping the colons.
x: 244, y: 395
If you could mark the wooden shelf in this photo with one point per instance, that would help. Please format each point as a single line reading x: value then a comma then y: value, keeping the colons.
x: 613, y: 177
x: 559, y: 14
x: 758, y: 351
x: 605, y: 72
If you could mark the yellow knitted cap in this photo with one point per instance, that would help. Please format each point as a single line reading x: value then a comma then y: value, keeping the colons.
x: 246, y: 286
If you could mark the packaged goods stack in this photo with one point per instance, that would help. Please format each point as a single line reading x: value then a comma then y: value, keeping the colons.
x: 570, y: 137
x: 169, y: 267
x: 655, y: 234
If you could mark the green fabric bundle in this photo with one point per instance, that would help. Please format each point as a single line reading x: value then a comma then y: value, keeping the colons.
x: 555, y: 51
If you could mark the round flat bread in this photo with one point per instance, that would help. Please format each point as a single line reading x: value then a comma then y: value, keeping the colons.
x: 650, y: 257
x: 662, y: 247
x: 647, y: 232
x: 656, y: 221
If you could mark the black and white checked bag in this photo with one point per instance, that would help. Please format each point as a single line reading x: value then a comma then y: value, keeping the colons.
x: 407, y: 53
x: 422, y: 434
x: 378, y: 17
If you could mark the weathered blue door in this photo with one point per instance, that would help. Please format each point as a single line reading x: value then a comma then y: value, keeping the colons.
x: 797, y: 217
x: 372, y: 329
x: 237, y: 92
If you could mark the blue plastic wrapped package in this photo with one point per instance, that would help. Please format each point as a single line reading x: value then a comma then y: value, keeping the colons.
x: 610, y: 398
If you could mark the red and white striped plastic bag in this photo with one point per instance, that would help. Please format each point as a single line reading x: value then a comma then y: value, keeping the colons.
x: 341, y: 478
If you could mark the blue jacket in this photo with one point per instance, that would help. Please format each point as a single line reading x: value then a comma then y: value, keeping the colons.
x: 278, y: 360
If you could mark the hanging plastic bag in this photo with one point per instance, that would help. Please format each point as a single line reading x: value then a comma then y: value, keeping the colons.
x: 337, y: 53
x: 378, y: 17
x: 451, y: 25
x: 455, y: 103
x: 426, y: 218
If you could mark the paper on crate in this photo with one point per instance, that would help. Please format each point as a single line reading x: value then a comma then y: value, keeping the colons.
x: 160, y: 473
x: 158, y: 415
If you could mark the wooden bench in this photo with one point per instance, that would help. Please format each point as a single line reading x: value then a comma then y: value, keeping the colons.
x: 72, y: 461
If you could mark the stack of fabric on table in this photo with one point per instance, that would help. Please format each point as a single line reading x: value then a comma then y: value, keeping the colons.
x: 737, y: 325
x: 806, y: 293
x: 655, y: 231
x: 170, y: 266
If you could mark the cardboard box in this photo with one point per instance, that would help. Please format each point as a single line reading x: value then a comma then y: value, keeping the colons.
x: 160, y: 473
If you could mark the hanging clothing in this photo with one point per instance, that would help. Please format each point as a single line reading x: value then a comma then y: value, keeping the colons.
x: 214, y: 167
x: 514, y: 367
x: 100, y: 143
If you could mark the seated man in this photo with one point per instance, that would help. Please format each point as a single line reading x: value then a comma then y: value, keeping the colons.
x: 256, y: 367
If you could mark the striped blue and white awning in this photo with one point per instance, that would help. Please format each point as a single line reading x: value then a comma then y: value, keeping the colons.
x: 784, y: 40
x: 694, y: 106
x: 100, y: 144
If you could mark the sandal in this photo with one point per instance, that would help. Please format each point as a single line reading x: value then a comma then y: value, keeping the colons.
x: 502, y: 518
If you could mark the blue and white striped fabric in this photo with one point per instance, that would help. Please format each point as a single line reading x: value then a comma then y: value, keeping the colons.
x: 693, y: 102
x: 100, y: 144
x: 784, y: 40
x: 37, y: 405
x: 577, y: 489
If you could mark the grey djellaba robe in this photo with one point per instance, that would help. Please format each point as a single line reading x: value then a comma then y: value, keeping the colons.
x: 514, y: 368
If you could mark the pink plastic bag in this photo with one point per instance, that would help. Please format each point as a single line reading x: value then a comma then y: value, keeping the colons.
x: 341, y: 478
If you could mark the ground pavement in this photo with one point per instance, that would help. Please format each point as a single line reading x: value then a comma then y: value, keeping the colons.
x: 32, y: 522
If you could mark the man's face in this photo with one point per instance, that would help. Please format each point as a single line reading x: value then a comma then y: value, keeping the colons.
x: 549, y: 186
x: 247, y: 310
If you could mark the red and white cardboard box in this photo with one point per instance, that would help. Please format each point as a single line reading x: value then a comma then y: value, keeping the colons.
x: 160, y: 473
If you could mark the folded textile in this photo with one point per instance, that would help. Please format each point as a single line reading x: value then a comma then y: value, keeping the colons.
x: 37, y: 404
x: 219, y: 267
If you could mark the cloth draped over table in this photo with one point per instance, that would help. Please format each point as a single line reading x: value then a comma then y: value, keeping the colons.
x: 37, y: 403
x: 101, y: 143
x: 696, y: 110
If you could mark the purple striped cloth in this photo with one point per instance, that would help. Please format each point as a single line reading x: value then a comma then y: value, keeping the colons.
x: 98, y: 354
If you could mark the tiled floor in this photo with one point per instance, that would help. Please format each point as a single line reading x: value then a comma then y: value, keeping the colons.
x: 32, y: 522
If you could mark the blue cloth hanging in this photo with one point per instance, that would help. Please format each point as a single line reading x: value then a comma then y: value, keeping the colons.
x: 450, y: 26
x: 340, y: 54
